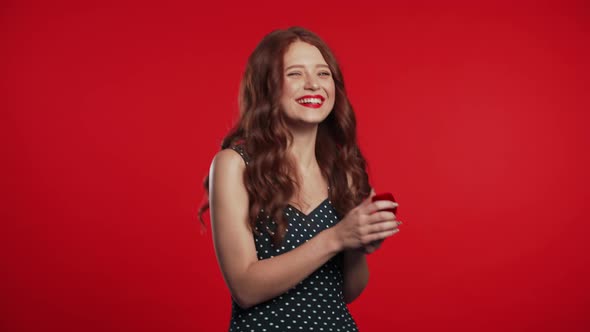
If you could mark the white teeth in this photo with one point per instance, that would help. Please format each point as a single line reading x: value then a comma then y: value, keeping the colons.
x: 310, y: 101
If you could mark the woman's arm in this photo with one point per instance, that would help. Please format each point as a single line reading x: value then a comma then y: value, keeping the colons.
x: 356, y: 273
x: 252, y: 281
x: 355, y: 268
x: 354, y: 263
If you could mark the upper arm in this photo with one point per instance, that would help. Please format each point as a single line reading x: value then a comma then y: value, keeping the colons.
x: 232, y: 236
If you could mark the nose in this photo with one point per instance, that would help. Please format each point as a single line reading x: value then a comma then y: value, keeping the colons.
x: 311, y: 84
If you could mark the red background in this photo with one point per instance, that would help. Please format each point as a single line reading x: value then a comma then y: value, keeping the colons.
x: 474, y: 116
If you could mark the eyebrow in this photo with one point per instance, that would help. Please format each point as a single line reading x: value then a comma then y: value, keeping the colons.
x: 301, y: 66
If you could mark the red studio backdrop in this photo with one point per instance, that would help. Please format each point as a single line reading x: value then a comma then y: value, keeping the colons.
x: 473, y: 115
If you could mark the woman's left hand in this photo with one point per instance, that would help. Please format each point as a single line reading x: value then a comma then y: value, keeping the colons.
x: 373, y: 246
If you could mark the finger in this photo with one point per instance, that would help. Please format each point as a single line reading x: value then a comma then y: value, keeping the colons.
x: 381, y: 216
x: 378, y: 236
x: 381, y: 227
x: 378, y: 205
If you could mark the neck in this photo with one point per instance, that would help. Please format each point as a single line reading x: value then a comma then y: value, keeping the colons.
x: 302, y: 148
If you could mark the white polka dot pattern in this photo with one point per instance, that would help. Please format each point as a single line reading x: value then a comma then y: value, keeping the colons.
x: 317, y: 302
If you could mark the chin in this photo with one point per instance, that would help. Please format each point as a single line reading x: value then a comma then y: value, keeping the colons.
x: 307, y: 117
x: 315, y: 119
x: 306, y: 122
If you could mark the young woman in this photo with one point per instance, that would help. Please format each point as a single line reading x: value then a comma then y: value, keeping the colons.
x: 290, y: 200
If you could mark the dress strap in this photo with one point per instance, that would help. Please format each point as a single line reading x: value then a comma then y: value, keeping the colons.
x: 241, y: 149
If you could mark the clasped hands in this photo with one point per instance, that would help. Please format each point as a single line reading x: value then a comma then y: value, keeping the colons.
x: 367, y: 225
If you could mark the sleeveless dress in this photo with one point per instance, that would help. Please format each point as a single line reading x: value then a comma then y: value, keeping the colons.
x: 317, y: 302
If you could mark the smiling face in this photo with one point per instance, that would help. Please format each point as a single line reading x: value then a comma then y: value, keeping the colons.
x: 308, y: 87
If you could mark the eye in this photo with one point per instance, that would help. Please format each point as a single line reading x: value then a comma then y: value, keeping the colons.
x: 294, y: 74
x: 325, y: 73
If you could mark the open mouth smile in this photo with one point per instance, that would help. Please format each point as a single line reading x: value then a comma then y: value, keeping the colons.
x: 311, y: 101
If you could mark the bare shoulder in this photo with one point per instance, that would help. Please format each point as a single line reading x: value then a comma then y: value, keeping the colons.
x: 228, y: 160
x: 227, y: 193
x: 227, y: 168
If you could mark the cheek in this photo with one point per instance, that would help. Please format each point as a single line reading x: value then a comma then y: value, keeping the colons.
x: 289, y: 93
x: 332, y: 91
x: 332, y: 88
x: 287, y: 97
x: 289, y: 89
x: 332, y: 103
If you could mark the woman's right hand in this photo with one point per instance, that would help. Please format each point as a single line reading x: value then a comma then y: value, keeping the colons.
x: 365, y: 224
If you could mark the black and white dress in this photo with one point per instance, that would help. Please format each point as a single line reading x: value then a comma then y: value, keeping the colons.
x: 317, y: 302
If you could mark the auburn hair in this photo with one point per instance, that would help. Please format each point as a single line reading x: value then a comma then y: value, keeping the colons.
x: 270, y: 176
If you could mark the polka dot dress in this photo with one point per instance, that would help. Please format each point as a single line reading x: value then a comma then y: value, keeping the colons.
x: 317, y: 302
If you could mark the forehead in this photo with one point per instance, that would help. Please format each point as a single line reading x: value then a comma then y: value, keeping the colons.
x: 301, y: 53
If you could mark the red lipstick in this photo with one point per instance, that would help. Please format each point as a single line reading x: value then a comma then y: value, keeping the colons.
x: 306, y: 101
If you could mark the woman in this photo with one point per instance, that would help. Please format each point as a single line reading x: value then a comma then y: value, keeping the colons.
x: 291, y: 213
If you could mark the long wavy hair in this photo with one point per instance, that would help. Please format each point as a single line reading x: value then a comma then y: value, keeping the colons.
x: 269, y: 177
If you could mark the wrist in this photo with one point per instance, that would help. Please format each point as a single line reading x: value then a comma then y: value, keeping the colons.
x: 333, y: 240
